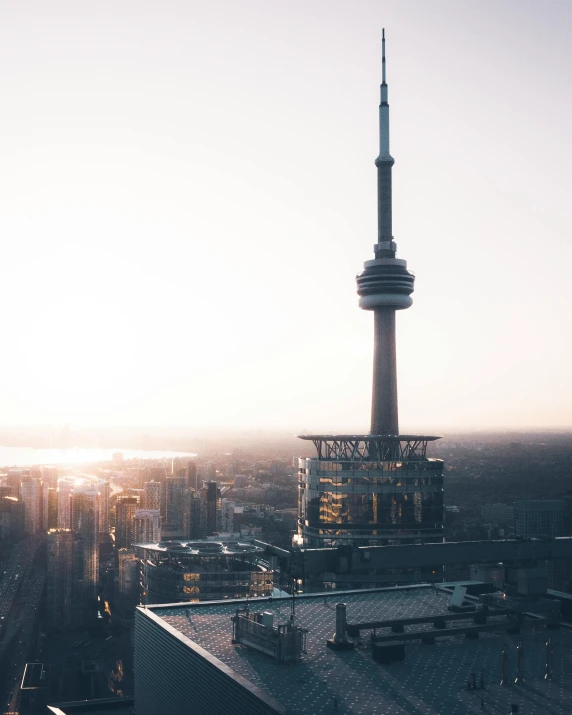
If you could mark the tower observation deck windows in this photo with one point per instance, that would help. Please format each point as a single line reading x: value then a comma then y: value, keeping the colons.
x: 385, y: 500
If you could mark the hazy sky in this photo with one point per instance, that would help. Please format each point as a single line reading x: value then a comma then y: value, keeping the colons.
x: 188, y: 191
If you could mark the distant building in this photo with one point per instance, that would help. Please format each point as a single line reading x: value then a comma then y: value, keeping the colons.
x: 192, y: 481
x: 60, y: 578
x: 13, y: 479
x: 227, y: 515
x: 544, y: 519
x: 194, y: 516
x: 152, y: 495
x: 103, y: 489
x: 12, y: 518
x: 212, y: 505
x: 540, y: 518
x: 85, y: 526
x: 174, y: 571
x: 206, y: 471
x: 125, y: 522
x: 65, y: 489
x: 50, y: 508
x: 31, y: 496
x: 175, y: 489
x: 147, y: 526
x: 501, y: 514
x: 128, y: 578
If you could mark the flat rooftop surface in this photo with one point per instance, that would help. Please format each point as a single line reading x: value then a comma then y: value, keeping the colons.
x: 432, y: 680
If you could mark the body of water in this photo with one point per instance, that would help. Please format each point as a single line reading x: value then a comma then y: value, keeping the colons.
x: 28, y: 456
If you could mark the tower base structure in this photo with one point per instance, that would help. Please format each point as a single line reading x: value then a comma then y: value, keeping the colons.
x: 369, y: 490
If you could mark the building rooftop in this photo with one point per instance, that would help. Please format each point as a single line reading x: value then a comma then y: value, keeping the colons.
x: 432, y: 679
x: 202, y: 547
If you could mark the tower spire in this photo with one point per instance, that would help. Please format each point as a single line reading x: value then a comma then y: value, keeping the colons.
x: 385, y: 247
x: 383, y: 56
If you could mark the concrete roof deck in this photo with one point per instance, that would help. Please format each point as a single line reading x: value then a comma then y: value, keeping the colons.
x: 431, y: 681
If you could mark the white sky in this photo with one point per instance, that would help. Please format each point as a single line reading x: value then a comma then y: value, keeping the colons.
x: 188, y: 189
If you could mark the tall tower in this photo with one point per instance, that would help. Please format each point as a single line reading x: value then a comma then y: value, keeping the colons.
x: 379, y: 488
x: 385, y: 285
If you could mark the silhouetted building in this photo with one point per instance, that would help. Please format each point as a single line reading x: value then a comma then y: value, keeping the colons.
x: 192, y: 482
x: 125, y: 522
x: 65, y: 489
x: 60, y: 578
x: 31, y: 497
x: 128, y: 580
x: 175, y: 489
x: 194, y: 524
x: 12, y: 518
x: 104, y: 490
x: 85, y: 526
x: 212, y: 506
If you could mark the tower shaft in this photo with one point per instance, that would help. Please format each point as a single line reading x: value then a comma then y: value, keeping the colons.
x: 384, y: 417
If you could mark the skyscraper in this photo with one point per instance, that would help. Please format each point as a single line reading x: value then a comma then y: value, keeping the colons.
x: 212, y: 507
x: 103, y: 489
x: 85, y: 527
x: 379, y: 488
x: 125, y: 522
x: 194, y: 516
x: 65, y: 488
x: 60, y: 578
x: 176, y: 487
x: 31, y: 497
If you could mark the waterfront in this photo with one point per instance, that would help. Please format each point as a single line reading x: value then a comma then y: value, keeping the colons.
x: 29, y: 456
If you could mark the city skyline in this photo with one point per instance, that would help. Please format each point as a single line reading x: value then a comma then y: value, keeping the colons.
x: 175, y: 182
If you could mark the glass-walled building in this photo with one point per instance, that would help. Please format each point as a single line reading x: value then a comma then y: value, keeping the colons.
x: 364, y: 490
x: 174, y: 571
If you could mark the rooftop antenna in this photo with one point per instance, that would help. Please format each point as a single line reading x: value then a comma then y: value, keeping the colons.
x: 383, y: 56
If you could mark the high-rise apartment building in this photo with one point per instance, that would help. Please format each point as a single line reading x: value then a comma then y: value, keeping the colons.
x: 147, y: 526
x: 104, y: 490
x: 152, y: 495
x: 378, y: 488
x: 227, y: 514
x: 31, y: 496
x: 65, y: 489
x: 212, y: 507
x: 194, y: 516
x: 12, y: 518
x: 128, y: 579
x: 192, y: 481
x: 60, y: 578
x: 175, y: 489
x: 13, y: 478
x: 125, y: 522
x: 85, y: 526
